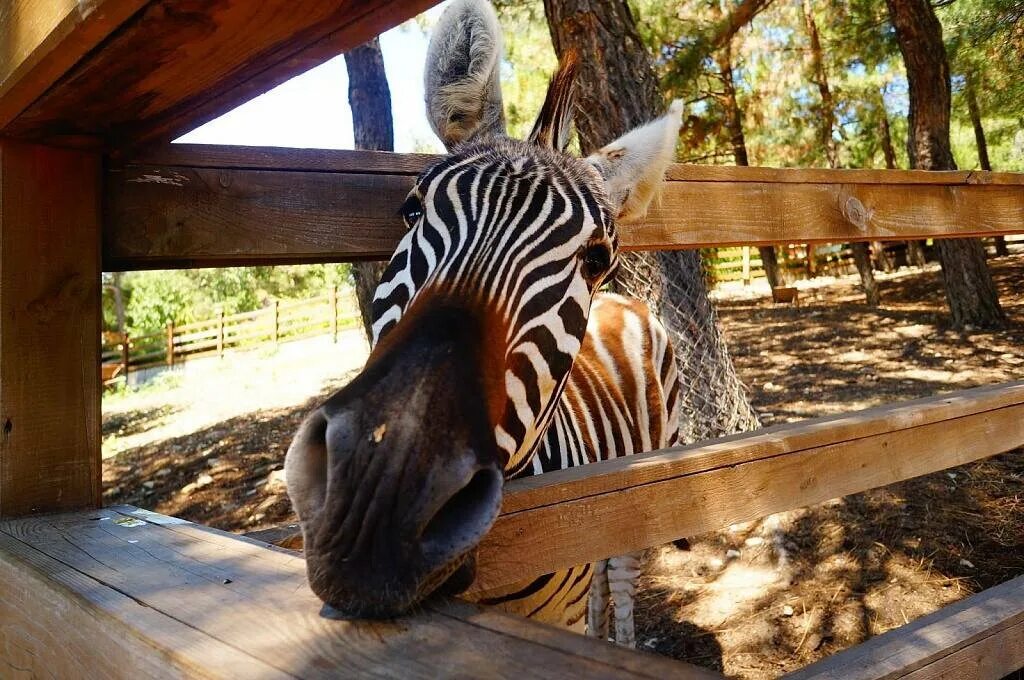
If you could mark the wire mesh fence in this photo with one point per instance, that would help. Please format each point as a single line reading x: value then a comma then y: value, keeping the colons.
x: 713, y: 400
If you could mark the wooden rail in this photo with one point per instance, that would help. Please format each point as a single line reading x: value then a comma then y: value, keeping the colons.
x: 615, y: 507
x: 279, y: 322
x: 124, y: 592
x: 196, y: 205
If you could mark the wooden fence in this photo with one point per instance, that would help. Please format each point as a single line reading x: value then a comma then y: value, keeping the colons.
x: 281, y: 321
x: 88, y: 99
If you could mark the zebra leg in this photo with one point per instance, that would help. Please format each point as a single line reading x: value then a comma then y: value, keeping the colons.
x: 597, y: 602
x: 623, y: 573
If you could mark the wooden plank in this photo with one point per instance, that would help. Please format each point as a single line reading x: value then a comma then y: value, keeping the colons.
x: 195, y: 217
x: 175, y: 64
x: 979, y: 638
x: 255, y: 601
x: 732, y: 173
x: 49, y: 329
x: 700, y: 214
x: 55, y: 622
x: 335, y: 160
x: 207, y: 206
x: 40, y: 40
x: 653, y: 498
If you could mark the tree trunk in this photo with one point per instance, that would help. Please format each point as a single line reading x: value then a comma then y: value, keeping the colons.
x: 862, y: 258
x: 970, y: 291
x: 886, y: 134
x: 826, y: 117
x: 882, y: 260
x: 618, y: 90
x: 979, y: 137
x: 734, y: 125
x: 370, y: 100
x: 820, y: 78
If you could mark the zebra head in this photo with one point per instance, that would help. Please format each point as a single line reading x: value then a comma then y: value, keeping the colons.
x: 477, y: 321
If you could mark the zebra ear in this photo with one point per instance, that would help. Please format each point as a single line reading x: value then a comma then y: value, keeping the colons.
x: 633, y: 165
x: 555, y: 119
x: 461, y: 83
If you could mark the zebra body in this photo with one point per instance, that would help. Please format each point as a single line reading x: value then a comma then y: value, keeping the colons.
x: 621, y: 398
x: 495, y: 355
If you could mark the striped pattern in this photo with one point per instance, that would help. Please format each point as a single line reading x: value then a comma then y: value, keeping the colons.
x: 621, y: 398
x: 508, y: 229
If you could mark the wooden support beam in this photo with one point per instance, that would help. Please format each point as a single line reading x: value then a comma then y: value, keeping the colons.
x: 631, y: 503
x: 135, y: 72
x: 41, y: 40
x: 211, y: 205
x: 124, y: 592
x: 979, y: 638
x: 49, y: 329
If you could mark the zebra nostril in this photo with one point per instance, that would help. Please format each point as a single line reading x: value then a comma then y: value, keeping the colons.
x: 464, y: 518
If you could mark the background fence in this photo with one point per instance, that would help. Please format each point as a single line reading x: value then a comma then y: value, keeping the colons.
x: 280, y: 321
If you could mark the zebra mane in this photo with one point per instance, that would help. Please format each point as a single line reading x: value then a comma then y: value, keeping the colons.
x: 555, y: 119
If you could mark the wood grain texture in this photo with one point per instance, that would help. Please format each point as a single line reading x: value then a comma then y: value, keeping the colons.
x: 334, y: 160
x: 175, y: 64
x: 653, y: 498
x: 978, y: 638
x: 41, y: 40
x: 200, y: 206
x: 49, y: 329
x: 698, y: 214
x: 255, y: 600
x: 55, y: 622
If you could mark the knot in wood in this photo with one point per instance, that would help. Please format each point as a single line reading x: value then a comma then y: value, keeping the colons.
x: 856, y: 214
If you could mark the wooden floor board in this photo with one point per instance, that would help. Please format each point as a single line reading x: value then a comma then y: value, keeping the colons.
x: 240, y: 602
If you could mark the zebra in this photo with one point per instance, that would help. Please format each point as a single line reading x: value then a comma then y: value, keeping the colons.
x: 495, y: 354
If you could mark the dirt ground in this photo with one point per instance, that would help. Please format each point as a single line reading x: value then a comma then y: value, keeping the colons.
x: 756, y: 600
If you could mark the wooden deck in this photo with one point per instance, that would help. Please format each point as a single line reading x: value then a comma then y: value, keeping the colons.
x: 126, y: 593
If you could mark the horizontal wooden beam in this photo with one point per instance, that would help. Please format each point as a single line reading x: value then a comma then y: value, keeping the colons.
x: 136, y: 72
x: 43, y: 39
x: 619, y: 506
x: 210, y: 205
x: 124, y: 592
x: 979, y: 638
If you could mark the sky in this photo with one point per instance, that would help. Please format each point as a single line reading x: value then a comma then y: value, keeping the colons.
x: 311, y: 110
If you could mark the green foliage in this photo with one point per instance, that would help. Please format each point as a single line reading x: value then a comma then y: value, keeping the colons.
x: 530, y: 62
x: 154, y: 298
x: 985, y: 44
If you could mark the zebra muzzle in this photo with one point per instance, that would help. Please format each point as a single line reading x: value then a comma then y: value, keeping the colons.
x: 396, y: 479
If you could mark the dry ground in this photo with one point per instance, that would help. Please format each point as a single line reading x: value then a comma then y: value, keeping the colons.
x: 754, y: 601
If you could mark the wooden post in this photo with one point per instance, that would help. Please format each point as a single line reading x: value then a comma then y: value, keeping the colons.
x: 746, y: 265
x: 126, y: 358
x: 332, y: 302
x: 50, y: 323
x: 220, y: 332
x: 277, y: 320
x: 170, y: 343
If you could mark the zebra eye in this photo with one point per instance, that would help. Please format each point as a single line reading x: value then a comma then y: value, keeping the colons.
x: 597, y: 259
x: 411, y: 211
